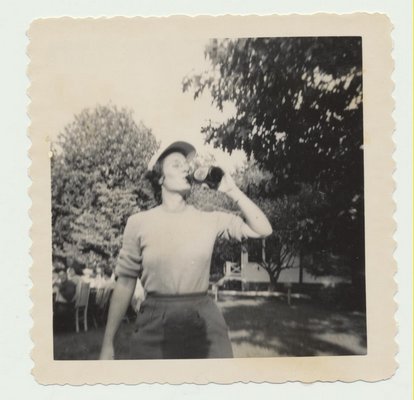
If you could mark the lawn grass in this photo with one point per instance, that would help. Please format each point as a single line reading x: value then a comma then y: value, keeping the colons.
x: 258, y: 328
x: 270, y: 328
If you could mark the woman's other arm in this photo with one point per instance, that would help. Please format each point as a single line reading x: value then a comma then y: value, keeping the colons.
x: 127, y: 269
x: 121, y: 298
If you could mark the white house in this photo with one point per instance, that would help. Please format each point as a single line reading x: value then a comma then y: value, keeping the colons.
x: 252, y: 272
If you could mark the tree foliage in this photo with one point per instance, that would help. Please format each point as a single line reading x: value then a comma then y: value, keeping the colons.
x: 297, y: 219
x: 98, y: 165
x: 298, y: 105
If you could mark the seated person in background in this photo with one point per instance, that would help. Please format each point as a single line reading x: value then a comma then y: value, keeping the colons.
x: 55, y: 281
x: 107, y: 278
x: 98, y: 277
x: 98, y: 281
x: 75, y: 272
x: 88, y: 276
x: 65, y: 298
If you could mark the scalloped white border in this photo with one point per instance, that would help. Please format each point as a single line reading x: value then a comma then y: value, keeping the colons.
x: 379, y: 207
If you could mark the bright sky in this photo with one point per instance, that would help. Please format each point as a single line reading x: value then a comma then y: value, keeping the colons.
x: 143, y: 73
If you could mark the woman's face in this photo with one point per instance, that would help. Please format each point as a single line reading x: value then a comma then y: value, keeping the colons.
x: 175, y: 170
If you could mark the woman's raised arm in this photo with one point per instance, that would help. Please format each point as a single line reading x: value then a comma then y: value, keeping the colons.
x: 257, y: 225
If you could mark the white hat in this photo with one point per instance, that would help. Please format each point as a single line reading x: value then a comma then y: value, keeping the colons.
x: 186, y: 148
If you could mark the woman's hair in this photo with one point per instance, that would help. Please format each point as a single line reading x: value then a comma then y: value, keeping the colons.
x: 154, y: 176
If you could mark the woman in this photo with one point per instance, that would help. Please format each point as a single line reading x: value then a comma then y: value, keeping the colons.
x: 171, y: 247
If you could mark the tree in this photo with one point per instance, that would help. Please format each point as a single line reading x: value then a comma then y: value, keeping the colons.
x: 298, y: 105
x: 98, y: 165
x: 295, y: 218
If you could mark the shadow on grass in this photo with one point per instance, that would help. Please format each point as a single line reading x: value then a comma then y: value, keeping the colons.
x: 258, y: 328
x: 70, y: 345
x: 269, y: 327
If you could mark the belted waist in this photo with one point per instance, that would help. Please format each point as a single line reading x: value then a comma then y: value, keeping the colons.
x: 176, y: 296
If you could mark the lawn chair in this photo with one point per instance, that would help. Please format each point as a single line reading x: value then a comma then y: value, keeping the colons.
x: 99, y: 296
x: 95, y: 300
x: 81, y: 305
x: 100, y: 305
x: 105, y: 299
x: 104, y: 305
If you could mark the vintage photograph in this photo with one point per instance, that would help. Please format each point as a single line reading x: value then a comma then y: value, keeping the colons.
x: 276, y: 241
x: 207, y: 193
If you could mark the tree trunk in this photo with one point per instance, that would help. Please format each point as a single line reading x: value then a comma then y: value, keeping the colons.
x: 300, y: 268
x: 279, y: 270
x: 264, y: 250
x: 274, y: 276
x: 358, y: 283
x: 273, y: 272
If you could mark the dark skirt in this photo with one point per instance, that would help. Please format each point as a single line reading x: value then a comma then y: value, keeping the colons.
x: 180, y: 327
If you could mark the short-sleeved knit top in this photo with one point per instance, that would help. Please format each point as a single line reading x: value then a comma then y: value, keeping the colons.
x: 176, y: 247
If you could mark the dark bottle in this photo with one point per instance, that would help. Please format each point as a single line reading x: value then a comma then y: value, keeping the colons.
x: 211, y: 176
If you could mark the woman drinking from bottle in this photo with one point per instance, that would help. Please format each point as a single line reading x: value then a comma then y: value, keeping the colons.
x: 170, y: 247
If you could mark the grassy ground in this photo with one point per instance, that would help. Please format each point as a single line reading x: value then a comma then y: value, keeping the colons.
x: 258, y: 328
x: 269, y: 328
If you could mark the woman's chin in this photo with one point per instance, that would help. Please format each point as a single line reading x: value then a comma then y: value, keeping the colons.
x: 185, y: 191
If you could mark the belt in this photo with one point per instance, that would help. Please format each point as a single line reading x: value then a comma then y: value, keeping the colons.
x: 175, y: 296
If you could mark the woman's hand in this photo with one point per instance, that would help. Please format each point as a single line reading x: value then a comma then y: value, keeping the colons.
x: 107, y: 352
x: 227, y: 184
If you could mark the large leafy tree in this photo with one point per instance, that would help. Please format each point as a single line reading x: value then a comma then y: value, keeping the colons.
x: 296, y: 219
x: 298, y: 111
x: 98, y: 164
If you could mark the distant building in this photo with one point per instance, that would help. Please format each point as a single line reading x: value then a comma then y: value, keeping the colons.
x: 251, y: 273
